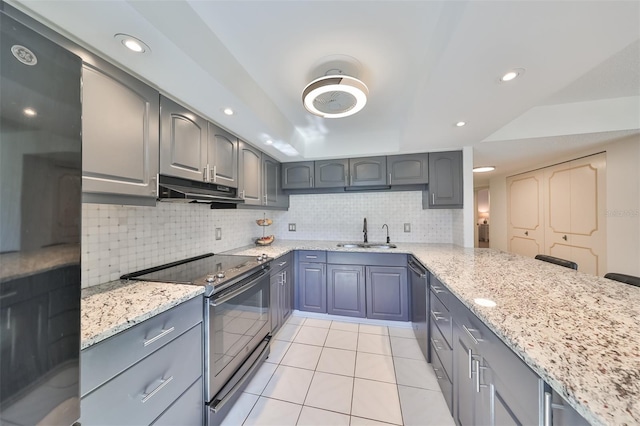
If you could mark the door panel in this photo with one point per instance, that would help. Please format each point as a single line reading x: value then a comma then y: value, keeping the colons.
x: 222, y: 154
x: 297, y: 175
x: 331, y: 173
x: 346, y: 290
x: 368, y: 171
x: 525, y: 214
x: 250, y: 176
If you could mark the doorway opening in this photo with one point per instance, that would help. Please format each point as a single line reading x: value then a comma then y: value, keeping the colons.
x: 481, y: 201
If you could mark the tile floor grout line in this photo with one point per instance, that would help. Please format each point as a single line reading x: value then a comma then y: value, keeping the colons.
x: 252, y: 407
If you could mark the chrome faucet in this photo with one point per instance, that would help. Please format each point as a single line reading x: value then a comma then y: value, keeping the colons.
x: 364, y: 229
x: 387, y: 226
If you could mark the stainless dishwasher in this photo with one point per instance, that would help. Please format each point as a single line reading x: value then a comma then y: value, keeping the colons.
x: 419, y: 282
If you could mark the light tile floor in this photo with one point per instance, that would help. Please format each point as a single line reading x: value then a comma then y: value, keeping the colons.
x: 325, y: 373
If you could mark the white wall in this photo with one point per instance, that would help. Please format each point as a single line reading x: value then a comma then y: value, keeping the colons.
x: 622, y: 198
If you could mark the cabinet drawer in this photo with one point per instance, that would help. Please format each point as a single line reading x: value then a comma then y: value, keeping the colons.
x: 446, y: 386
x: 143, y: 392
x: 441, y: 348
x: 442, y: 292
x: 188, y: 410
x: 312, y: 256
x: 106, y: 359
x: 441, y: 317
x: 280, y: 263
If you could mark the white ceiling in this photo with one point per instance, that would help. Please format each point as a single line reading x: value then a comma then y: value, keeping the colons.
x: 428, y: 64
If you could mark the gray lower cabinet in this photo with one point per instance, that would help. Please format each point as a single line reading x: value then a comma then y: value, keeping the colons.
x: 183, y: 142
x: 298, y: 175
x: 368, y: 171
x: 311, y: 281
x: 561, y: 413
x: 346, y: 290
x: 147, y: 372
x: 281, y: 301
x: 222, y: 157
x: 120, y: 137
x: 387, y: 293
x: 445, y: 181
x: 409, y: 169
x: 331, y: 173
x: 249, y: 174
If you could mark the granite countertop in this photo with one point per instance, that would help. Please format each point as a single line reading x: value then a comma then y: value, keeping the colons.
x: 579, y: 332
x: 22, y: 263
x: 110, y: 308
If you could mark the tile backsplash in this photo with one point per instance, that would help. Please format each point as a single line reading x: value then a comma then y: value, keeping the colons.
x: 120, y: 239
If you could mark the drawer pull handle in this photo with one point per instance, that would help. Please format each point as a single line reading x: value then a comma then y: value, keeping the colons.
x: 435, y: 370
x: 436, y: 316
x: 437, y: 290
x: 162, y: 384
x: 282, y: 263
x: 478, y: 368
x: 311, y: 257
x: 159, y: 336
x: 469, y: 332
x: 434, y: 343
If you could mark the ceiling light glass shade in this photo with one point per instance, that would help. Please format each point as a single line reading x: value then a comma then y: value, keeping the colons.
x: 334, y: 96
x: 483, y: 169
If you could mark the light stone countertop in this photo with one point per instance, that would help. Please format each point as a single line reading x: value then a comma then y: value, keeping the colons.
x: 579, y: 332
x: 110, y: 308
x: 17, y: 264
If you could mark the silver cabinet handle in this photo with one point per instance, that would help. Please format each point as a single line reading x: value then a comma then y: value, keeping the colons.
x: 205, y: 174
x: 436, y: 370
x: 351, y: 180
x: 415, y: 268
x: 310, y: 181
x: 159, y: 336
x: 215, y: 173
x: 311, y: 256
x: 437, y: 289
x: 470, y: 362
x: 389, y: 178
x: 547, y: 409
x: 436, y: 316
x: 242, y: 194
x: 478, y: 368
x: 433, y: 198
x: 153, y: 185
x: 163, y: 383
x: 282, y: 263
x: 469, y: 330
x: 434, y: 343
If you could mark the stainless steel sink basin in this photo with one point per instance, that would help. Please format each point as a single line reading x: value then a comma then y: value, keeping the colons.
x: 368, y: 245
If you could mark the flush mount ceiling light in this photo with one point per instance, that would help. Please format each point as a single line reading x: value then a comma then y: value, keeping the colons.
x: 512, y: 75
x: 228, y: 111
x: 483, y: 169
x: 335, y: 96
x: 30, y: 112
x: 461, y: 123
x: 132, y: 43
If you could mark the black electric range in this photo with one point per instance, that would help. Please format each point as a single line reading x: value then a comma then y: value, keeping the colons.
x: 215, y: 272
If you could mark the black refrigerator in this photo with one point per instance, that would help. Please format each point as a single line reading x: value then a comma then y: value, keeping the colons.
x: 40, y: 213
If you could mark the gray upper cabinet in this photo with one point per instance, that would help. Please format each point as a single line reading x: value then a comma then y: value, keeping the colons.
x: 297, y: 175
x: 331, y: 173
x: 222, y: 157
x: 387, y: 293
x: 346, y: 290
x: 368, y: 171
x: 183, y: 142
x: 273, y: 196
x: 249, y: 174
x: 445, y: 180
x: 408, y: 169
x: 120, y: 141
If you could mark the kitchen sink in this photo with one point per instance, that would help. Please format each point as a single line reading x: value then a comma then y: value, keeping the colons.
x: 368, y: 245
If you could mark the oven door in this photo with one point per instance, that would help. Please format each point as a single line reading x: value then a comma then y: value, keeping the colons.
x: 238, y: 321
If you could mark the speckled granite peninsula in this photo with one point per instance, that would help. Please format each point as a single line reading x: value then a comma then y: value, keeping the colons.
x: 113, y: 307
x: 579, y: 332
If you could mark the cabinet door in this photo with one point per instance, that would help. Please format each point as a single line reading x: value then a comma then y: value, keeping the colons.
x: 387, y: 293
x: 346, y: 290
x: 331, y: 173
x: 222, y: 157
x: 249, y: 174
x: 120, y: 138
x: 297, y: 175
x: 183, y: 142
x: 445, y: 179
x: 274, y: 302
x: 408, y: 169
x: 507, y: 403
x: 273, y: 196
x: 312, y: 287
x: 464, y: 374
x: 368, y: 171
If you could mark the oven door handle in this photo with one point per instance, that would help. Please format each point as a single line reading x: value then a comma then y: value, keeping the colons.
x: 242, y: 289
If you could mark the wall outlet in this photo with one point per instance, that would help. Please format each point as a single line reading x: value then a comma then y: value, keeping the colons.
x: 292, y: 227
x: 407, y: 227
x: 218, y: 233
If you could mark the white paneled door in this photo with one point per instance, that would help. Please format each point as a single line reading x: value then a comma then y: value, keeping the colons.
x: 526, y: 215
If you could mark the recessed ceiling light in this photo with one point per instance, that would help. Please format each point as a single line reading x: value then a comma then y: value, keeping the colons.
x: 460, y: 123
x: 335, y: 96
x: 132, y: 43
x: 30, y: 112
x: 269, y: 142
x: 228, y: 111
x: 483, y: 169
x: 512, y: 75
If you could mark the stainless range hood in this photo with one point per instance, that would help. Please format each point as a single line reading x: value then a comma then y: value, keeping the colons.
x: 178, y: 190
